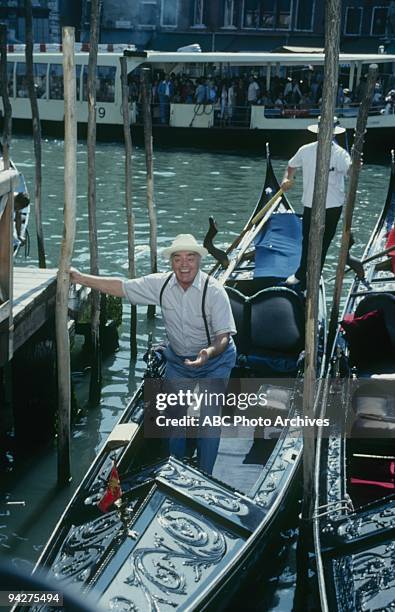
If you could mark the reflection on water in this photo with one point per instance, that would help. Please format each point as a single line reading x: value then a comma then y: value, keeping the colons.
x: 189, y: 187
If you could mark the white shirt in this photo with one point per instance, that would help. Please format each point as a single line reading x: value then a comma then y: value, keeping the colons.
x: 252, y: 92
x: 182, y: 310
x: 305, y: 158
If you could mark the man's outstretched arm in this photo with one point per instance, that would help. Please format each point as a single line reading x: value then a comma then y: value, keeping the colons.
x: 105, y: 284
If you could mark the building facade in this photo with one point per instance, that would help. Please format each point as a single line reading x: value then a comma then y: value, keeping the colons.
x: 233, y: 25
x: 46, y: 20
x: 220, y: 25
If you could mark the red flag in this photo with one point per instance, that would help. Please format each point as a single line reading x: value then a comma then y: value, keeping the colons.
x: 391, y: 242
x: 113, y: 491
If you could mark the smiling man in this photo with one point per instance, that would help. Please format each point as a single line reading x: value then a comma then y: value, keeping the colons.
x: 198, y: 321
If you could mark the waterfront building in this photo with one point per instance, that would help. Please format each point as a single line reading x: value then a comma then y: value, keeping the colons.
x: 241, y: 25
x: 46, y: 20
x: 216, y: 25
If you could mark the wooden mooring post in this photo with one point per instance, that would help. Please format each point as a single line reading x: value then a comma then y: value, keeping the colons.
x: 95, y: 378
x: 128, y: 199
x: 63, y: 281
x: 36, y: 128
x: 7, y: 109
x: 325, y: 137
x: 148, y: 143
x: 356, y: 156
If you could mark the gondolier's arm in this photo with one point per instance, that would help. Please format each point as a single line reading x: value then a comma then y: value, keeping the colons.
x: 288, y: 179
x: 112, y: 286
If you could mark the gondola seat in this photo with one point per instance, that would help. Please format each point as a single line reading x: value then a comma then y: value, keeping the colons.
x: 371, y: 335
x: 371, y: 450
x: 374, y: 410
x: 384, y: 302
x: 270, y: 329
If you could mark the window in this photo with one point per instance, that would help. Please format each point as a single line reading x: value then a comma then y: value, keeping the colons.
x: 352, y: 25
x: 56, y: 81
x: 169, y: 13
x: 267, y: 14
x: 229, y: 14
x: 304, y: 15
x: 21, y: 81
x: 379, y: 20
x: 40, y: 29
x: 148, y: 12
x: 105, y: 83
x: 198, y: 13
x: 40, y: 80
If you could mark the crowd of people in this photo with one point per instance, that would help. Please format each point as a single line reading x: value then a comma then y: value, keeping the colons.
x: 232, y: 96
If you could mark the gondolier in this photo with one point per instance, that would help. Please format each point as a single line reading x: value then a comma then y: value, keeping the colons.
x: 305, y: 158
x: 198, y: 321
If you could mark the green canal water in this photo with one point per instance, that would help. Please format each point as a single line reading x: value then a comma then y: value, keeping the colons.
x: 189, y: 186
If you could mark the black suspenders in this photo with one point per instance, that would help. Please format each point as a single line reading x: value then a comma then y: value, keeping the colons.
x: 204, y: 311
x: 164, y: 287
x: 203, y: 302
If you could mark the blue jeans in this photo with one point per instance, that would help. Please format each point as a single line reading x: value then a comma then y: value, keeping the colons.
x: 212, y: 377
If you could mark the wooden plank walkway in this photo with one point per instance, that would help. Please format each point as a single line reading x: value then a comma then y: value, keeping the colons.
x: 33, y: 301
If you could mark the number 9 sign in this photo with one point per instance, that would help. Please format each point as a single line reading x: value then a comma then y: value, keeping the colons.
x: 101, y: 112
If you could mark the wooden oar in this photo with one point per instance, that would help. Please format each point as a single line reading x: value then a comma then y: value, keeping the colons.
x: 262, y: 216
x: 368, y: 260
x: 254, y: 220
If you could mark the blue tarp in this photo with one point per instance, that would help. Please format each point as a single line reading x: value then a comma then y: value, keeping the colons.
x: 278, y: 249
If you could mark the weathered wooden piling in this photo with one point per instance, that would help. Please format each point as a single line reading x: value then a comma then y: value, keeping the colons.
x: 63, y: 280
x: 95, y: 378
x: 36, y: 128
x: 7, y: 109
x: 356, y: 157
x: 128, y: 198
x: 148, y: 143
x: 325, y: 136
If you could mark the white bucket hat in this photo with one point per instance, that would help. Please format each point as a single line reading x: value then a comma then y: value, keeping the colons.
x: 184, y: 242
x: 337, y: 129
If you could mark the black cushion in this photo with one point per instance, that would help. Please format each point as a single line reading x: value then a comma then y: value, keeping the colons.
x: 367, y: 338
x: 269, y: 322
x: 384, y: 302
x: 277, y: 320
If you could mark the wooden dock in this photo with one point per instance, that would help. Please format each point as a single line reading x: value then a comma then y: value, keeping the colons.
x: 33, y: 304
x: 33, y: 301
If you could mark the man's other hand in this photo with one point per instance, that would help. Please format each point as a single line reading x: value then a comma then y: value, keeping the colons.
x: 200, y: 360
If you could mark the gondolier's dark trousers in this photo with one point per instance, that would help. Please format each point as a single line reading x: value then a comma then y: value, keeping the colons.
x: 332, y: 216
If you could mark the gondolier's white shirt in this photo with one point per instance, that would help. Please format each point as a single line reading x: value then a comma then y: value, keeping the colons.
x: 305, y: 158
x: 182, y: 310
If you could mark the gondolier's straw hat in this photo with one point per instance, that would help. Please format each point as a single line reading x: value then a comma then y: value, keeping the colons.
x: 184, y: 242
x: 337, y: 129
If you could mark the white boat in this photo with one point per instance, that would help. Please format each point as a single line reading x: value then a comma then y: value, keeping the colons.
x: 193, y: 124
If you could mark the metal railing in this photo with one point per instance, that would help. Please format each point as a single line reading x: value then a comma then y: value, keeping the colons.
x: 240, y: 116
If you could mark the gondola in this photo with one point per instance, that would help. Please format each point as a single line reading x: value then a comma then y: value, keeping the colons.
x: 21, y: 209
x: 179, y: 538
x: 355, y: 467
